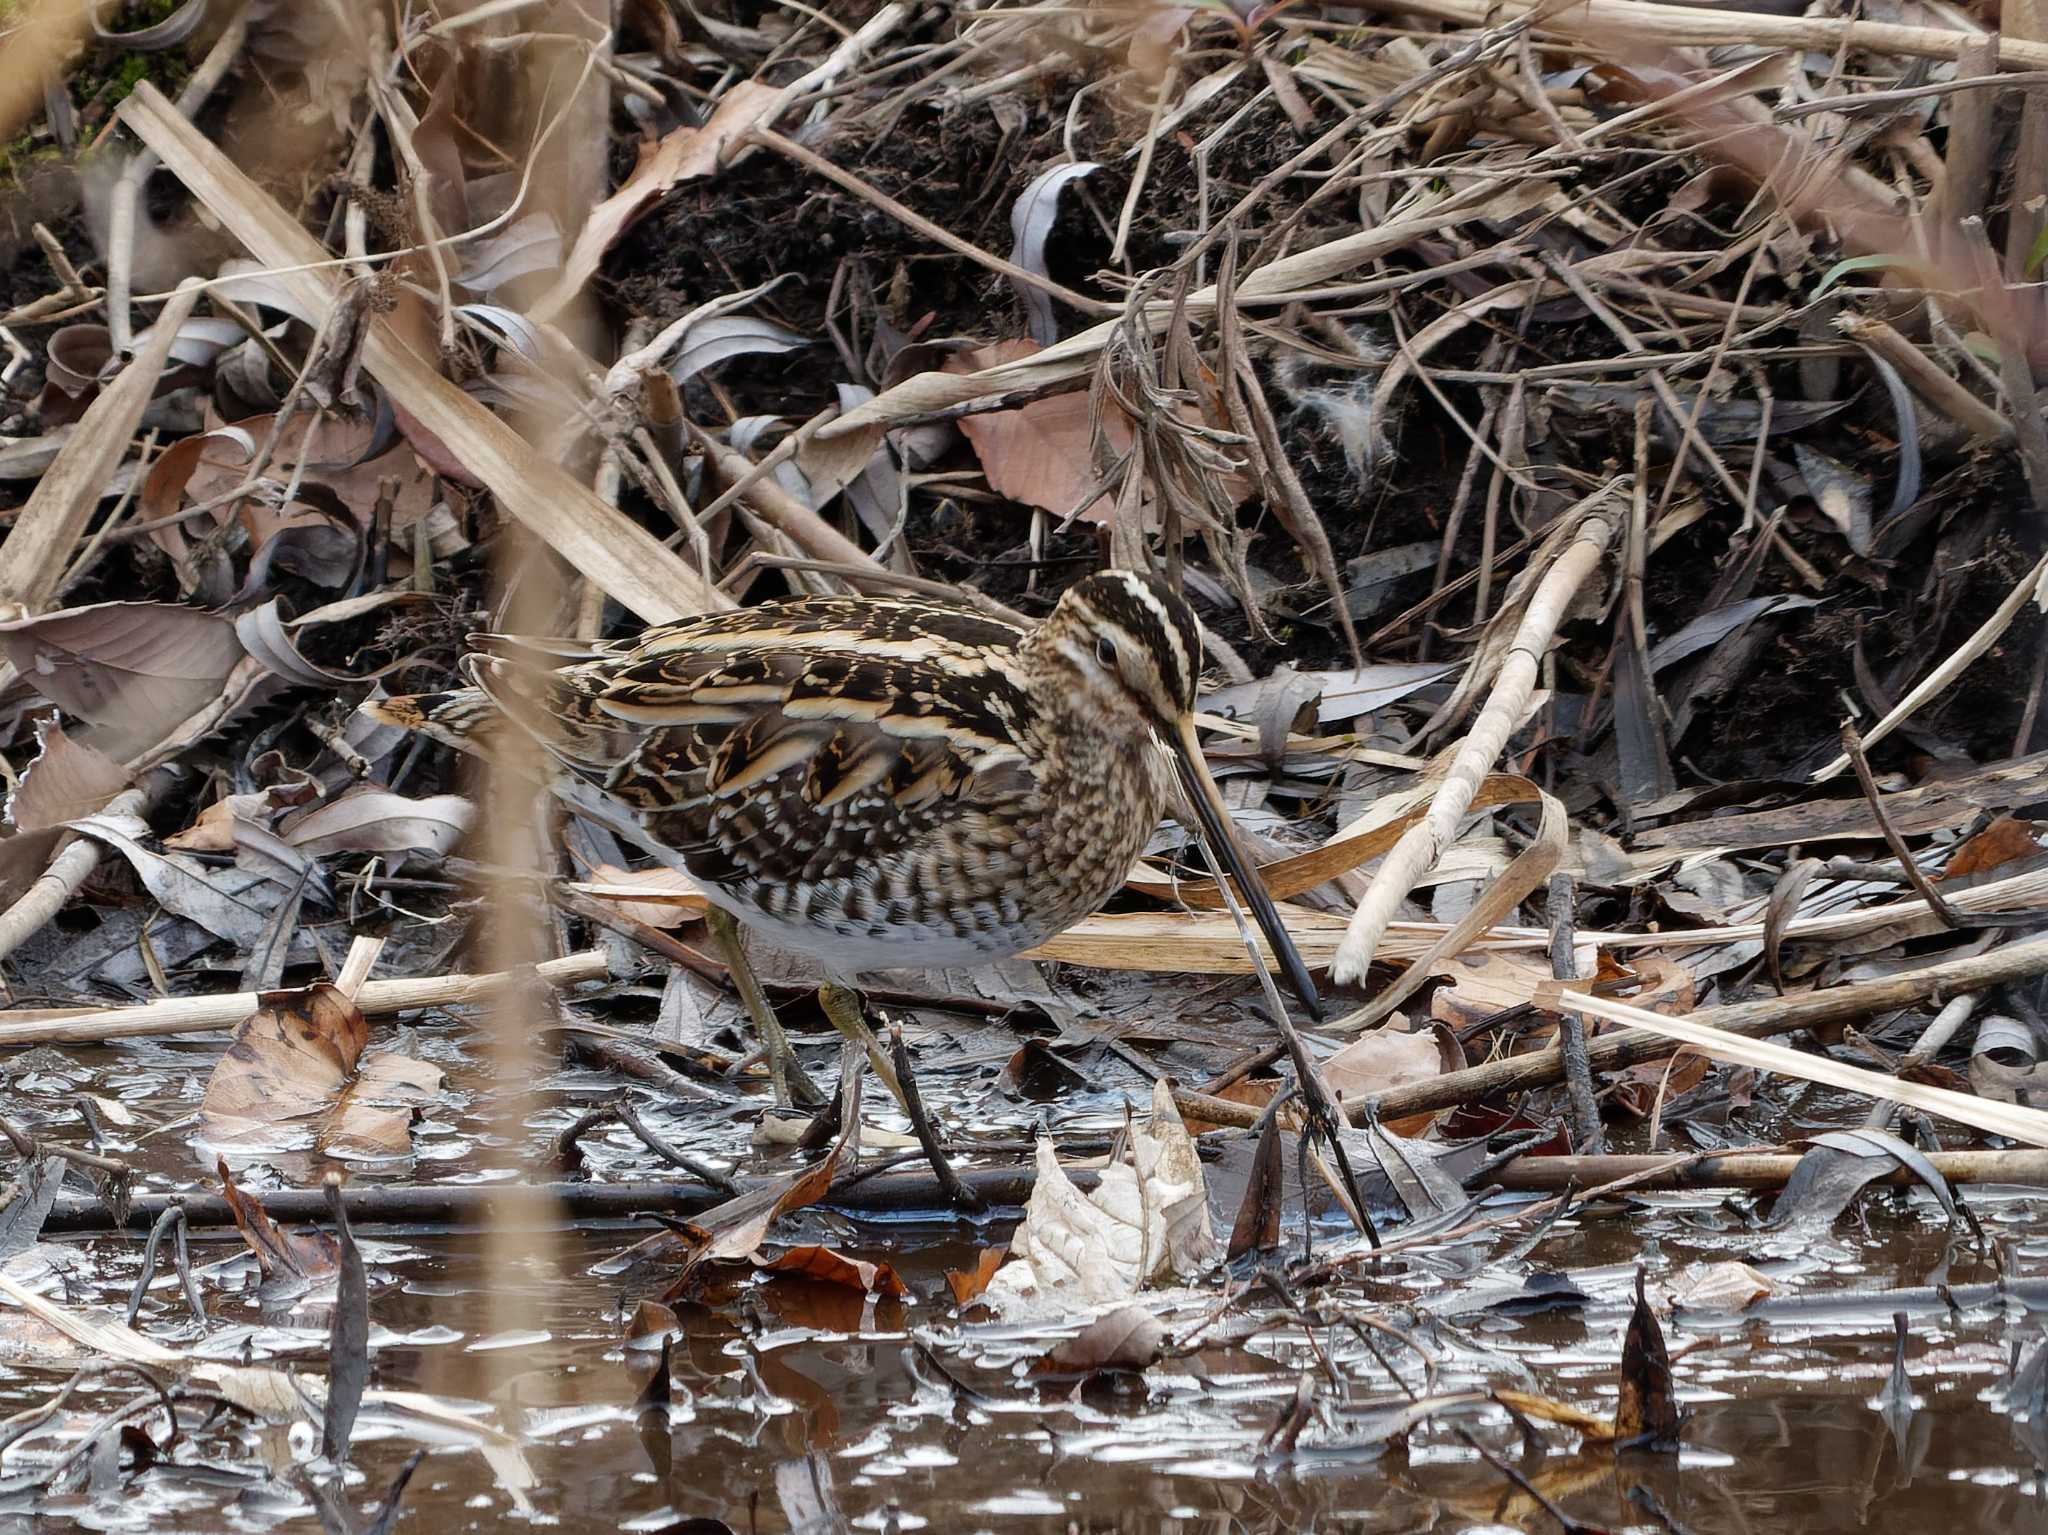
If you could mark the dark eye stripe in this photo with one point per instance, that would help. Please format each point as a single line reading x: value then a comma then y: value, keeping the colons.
x: 1148, y: 610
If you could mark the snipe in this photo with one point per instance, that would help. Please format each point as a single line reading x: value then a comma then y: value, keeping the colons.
x: 879, y: 782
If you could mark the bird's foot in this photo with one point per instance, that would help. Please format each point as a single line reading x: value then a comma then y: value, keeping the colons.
x: 793, y: 1088
x: 848, y: 1014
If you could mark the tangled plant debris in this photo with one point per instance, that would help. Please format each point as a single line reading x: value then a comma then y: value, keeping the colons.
x: 1605, y: 450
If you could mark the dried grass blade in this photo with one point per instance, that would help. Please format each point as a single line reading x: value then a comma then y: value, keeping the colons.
x: 2021, y: 1124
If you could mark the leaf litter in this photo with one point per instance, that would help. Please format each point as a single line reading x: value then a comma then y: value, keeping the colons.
x: 1564, y: 423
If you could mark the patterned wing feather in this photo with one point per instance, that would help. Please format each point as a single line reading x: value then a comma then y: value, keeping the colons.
x: 786, y: 745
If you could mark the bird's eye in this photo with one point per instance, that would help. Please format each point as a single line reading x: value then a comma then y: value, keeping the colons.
x: 1105, y: 652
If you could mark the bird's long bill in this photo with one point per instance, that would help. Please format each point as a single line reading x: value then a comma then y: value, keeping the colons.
x: 1207, y: 799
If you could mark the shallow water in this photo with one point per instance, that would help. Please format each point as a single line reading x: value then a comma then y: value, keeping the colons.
x: 792, y: 1397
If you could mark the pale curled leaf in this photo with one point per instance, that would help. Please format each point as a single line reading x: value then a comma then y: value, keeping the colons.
x: 1146, y: 1221
x: 531, y: 243
x: 1031, y: 219
x: 366, y: 819
x: 723, y: 337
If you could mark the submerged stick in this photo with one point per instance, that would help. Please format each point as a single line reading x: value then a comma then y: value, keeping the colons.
x: 194, y: 1015
x: 1751, y: 1170
x: 473, y: 1204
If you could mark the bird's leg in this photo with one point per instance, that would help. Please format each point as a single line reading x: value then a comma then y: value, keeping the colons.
x: 792, y: 1087
x: 848, y: 1014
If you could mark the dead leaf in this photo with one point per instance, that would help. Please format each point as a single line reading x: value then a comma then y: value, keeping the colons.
x: 67, y: 780
x: 137, y: 670
x: 288, y: 1060
x: 1129, y: 1338
x: 827, y: 1266
x: 732, y: 1231
x: 2004, y: 840
x: 296, y: 1067
x: 1038, y: 454
x: 1146, y: 1221
x: 1485, y: 983
x: 1727, y: 1286
x: 968, y: 1286
x: 1379, y: 1060
x: 305, y: 1255
x: 367, y: 819
x: 658, y: 897
x: 1647, y: 1414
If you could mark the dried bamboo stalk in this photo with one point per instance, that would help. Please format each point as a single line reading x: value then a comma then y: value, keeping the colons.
x: 1422, y: 844
x: 2007, y: 1119
x: 197, y: 1015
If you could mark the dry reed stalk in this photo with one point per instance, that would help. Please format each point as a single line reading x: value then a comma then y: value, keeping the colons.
x: 202, y: 1015
x: 1600, y: 25
x: 1422, y: 844
x: 45, y: 534
x: 2007, y: 1119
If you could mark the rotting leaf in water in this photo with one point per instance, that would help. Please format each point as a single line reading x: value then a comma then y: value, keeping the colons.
x: 826, y: 1266
x: 1146, y: 1221
x: 1647, y: 1416
x: 1257, y: 1227
x: 293, y: 1260
x: 1896, y: 1404
x: 659, y: 1391
x: 1129, y: 1338
x: 1826, y: 1181
x: 295, y: 1071
x: 733, y: 1231
x: 26, y: 1203
x: 968, y: 1285
x: 348, y: 1336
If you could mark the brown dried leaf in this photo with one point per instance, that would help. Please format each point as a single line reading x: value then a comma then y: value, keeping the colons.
x: 67, y: 780
x: 304, y: 1254
x: 1039, y: 453
x: 1379, y: 1060
x: 289, y: 1060
x: 683, y: 155
x: 1129, y: 1338
x: 732, y: 1231
x: 658, y: 897
x: 301, y: 1059
x: 1486, y: 983
x: 827, y: 1266
x: 968, y: 1286
x: 138, y: 669
x: 1647, y: 1413
x: 2004, y: 840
